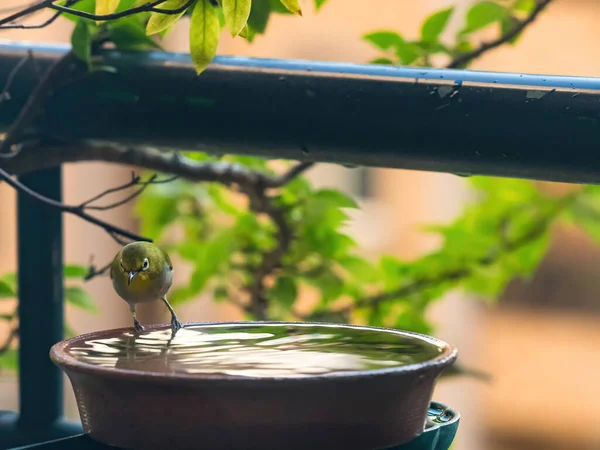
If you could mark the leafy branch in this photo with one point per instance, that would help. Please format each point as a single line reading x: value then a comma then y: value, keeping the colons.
x: 511, y: 19
x: 511, y: 33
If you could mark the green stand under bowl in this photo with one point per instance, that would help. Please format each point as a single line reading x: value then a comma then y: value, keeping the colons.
x: 441, y: 427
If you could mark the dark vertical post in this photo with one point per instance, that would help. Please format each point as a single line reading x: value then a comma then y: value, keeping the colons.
x: 40, y: 278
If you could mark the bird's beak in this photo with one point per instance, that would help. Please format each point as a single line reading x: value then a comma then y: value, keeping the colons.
x: 132, y: 274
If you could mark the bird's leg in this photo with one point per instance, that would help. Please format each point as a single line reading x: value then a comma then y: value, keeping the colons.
x: 136, y: 324
x: 175, y: 323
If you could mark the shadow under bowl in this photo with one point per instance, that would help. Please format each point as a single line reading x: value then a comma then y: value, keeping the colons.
x: 253, y: 385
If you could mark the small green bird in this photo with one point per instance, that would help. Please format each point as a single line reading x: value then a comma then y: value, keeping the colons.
x: 142, y: 272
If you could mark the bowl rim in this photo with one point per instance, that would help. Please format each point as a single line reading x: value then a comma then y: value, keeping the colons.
x: 59, y: 356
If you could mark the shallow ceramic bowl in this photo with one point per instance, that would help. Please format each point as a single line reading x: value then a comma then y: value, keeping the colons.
x: 146, y: 409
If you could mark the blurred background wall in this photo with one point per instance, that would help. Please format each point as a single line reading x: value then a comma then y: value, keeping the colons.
x: 539, y: 342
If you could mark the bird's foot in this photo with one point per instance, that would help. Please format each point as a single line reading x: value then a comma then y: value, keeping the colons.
x: 176, y: 324
x: 138, y: 326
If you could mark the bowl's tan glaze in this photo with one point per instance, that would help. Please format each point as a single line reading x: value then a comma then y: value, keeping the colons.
x: 150, y: 410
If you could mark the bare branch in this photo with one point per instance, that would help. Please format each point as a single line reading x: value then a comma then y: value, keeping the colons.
x: 135, y: 181
x: 93, y: 272
x: 33, y: 8
x: 51, y: 154
x: 44, y: 24
x: 148, y: 7
x: 20, y: 26
x: 291, y: 174
x: 75, y: 210
x: 465, y: 58
x: 151, y: 6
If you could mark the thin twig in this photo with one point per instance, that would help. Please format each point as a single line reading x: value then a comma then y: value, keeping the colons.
x: 20, y: 26
x: 44, y: 24
x: 288, y: 176
x: 75, y: 210
x: 93, y: 272
x: 9, y: 22
x: 465, y: 58
x: 10, y: 9
x: 14, y: 332
x: 50, y: 154
x: 135, y: 181
x: 5, y: 95
x: 38, y: 6
x: 148, y: 7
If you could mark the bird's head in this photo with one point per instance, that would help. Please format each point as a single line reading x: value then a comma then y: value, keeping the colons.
x: 141, y: 258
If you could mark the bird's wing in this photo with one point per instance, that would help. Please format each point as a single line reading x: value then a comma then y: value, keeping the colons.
x: 167, y: 259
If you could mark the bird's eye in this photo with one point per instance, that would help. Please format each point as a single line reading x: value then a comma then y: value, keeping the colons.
x: 145, y: 264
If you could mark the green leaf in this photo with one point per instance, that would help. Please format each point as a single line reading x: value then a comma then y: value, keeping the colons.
x: 9, y: 360
x: 293, y: 6
x: 382, y: 61
x: 247, y: 33
x: 104, y: 7
x: 259, y: 16
x: 74, y: 271
x: 181, y: 294
x: 587, y: 216
x: 482, y: 14
x: 334, y: 199
x: 330, y: 285
x: 488, y: 281
x: 220, y: 294
x: 80, y: 299
x: 130, y: 34
x: 435, y: 24
x: 81, y: 41
x: 360, y: 269
x: 506, y: 26
x: 408, y: 52
x: 10, y: 278
x: 284, y: 292
x: 319, y: 4
x: 236, y: 14
x: 6, y: 291
x: 526, y: 6
x: 411, y: 320
x: 204, y: 35
x: 384, y: 39
x: 88, y: 6
x: 124, y: 5
x: 159, y: 22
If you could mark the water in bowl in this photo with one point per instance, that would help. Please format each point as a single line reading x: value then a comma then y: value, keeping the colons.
x: 256, y: 350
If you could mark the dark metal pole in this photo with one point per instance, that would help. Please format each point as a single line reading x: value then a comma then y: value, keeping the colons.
x: 456, y: 121
x: 40, y: 277
x: 40, y: 281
